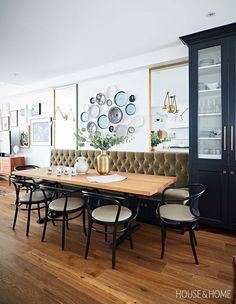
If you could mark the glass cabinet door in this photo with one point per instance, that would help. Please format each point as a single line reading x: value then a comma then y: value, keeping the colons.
x: 209, y: 103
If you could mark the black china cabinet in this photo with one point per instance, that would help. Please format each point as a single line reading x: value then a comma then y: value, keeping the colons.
x: 212, y: 98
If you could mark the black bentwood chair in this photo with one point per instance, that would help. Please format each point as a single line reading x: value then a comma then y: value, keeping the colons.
x: 107, y: 210
x: 64, y: 207
x: 182, y: 214
x: 29, y: 195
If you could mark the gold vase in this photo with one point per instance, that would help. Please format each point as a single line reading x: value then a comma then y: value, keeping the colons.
x: 103, y: 163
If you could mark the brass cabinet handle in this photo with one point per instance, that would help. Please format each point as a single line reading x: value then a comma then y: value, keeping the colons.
x: 224, y: 172
x: 225, y: 138
x: 232, y: 138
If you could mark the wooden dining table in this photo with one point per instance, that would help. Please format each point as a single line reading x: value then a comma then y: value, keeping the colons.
x: 135, y: 183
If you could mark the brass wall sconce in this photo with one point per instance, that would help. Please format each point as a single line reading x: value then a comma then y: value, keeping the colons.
x: 170, y: 103
x: 65, y: 116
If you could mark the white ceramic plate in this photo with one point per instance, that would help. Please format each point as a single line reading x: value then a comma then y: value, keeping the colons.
x: 94, y: 111
x: 121, y: 130
x: 138, y: 121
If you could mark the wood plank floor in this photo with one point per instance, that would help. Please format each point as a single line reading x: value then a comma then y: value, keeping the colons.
x: 35, y: 272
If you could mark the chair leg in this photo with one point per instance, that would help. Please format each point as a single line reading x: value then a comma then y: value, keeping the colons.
x: 191, y: 236
x: 114, y: 248
x: 88, y: 239
x: 15, y: 216
x: 63, y: 232
x: 194, y: 238
x: 45, y: 223
x: 67, y: 224
x: 130, y: 236
x: 163, y: 239
x: 39, y: 216
x: 84, y: 222
x: 105, y: 228
x: 28, y: 219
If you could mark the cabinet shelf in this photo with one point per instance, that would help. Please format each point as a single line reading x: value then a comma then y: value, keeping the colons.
x: 209, y: 156
x: 209, y: 114
x: 214, y: 92
x: 210, y: 138
x: 210, y: 69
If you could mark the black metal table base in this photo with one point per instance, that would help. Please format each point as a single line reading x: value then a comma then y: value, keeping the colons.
x: 124, y: 236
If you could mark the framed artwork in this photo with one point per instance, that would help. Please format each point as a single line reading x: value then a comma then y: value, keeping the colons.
x: 14, y: 118
x: 5, y: 123
x: 24, y: 138
x: 41, y: 132
x: 36, y: 109
x: 5, y: 109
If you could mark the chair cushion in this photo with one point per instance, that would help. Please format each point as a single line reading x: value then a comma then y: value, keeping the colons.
x: 108, y: 213
x: 176, y: 212
x: 37, y: 196
x: 73, y: 203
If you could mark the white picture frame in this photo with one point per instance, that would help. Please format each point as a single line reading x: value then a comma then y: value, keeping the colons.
x: 41, y: 132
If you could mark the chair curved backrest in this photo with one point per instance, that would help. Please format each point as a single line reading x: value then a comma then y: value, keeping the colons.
x: 193, y: 193
x: 58, y: 192
x: 99, y: 199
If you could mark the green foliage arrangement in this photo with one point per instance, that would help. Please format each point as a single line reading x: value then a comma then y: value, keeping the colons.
x: 155, y: 140
x: 98, y: 140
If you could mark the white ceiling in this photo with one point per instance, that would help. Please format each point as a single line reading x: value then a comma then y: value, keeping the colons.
x: 41, y: 39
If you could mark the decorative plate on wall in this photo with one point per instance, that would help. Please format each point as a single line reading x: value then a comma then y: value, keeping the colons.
x: 138, y: 121
x: 94, y: 111
x: 130, y: 109
x: 91, y: 127
x: 132, y: 98
x: 103, y: 121
x: 92, y: 100
x: 115, y: 115
x: 121, y: 99
x: 84, y: 116
x: 109, y: 102
x: 101, y: 99
x: 131, y: 129
x: 121, y: 130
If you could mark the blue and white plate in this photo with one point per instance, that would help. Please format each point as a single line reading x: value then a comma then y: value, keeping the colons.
x: 121, y: 99
x: 103, y: 121
x: 84, y: 117
x: 130, y: 109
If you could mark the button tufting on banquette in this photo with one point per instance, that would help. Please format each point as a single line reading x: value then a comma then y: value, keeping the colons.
x: 157, y: 163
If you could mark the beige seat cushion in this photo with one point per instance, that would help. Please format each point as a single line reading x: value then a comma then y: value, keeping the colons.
x: 73, y: 203
x: 108, y: 213
x: 176, y: 212
x: 37, y: 196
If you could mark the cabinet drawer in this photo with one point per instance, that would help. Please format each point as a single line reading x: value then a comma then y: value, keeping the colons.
x: 6, y: 166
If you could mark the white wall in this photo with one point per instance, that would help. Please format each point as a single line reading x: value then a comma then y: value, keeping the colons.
x: 37, y: 155
x: 132, y: 83
x: 130, y: 75
x: 65, y: 99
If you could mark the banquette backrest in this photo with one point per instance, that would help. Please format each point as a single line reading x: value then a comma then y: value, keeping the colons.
x: 157, y: 163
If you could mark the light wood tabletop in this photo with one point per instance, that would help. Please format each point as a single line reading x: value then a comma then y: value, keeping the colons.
x: 136, y: 183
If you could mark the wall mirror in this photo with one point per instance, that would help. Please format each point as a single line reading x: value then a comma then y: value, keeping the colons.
x: 169, y: 101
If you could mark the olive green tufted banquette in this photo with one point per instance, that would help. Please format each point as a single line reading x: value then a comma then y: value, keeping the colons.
x: 158, y: 163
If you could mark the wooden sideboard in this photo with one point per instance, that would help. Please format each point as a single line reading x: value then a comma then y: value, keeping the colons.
x: 8, y: 163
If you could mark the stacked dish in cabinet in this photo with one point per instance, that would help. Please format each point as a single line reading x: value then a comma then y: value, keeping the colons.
x: 209, y: 103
